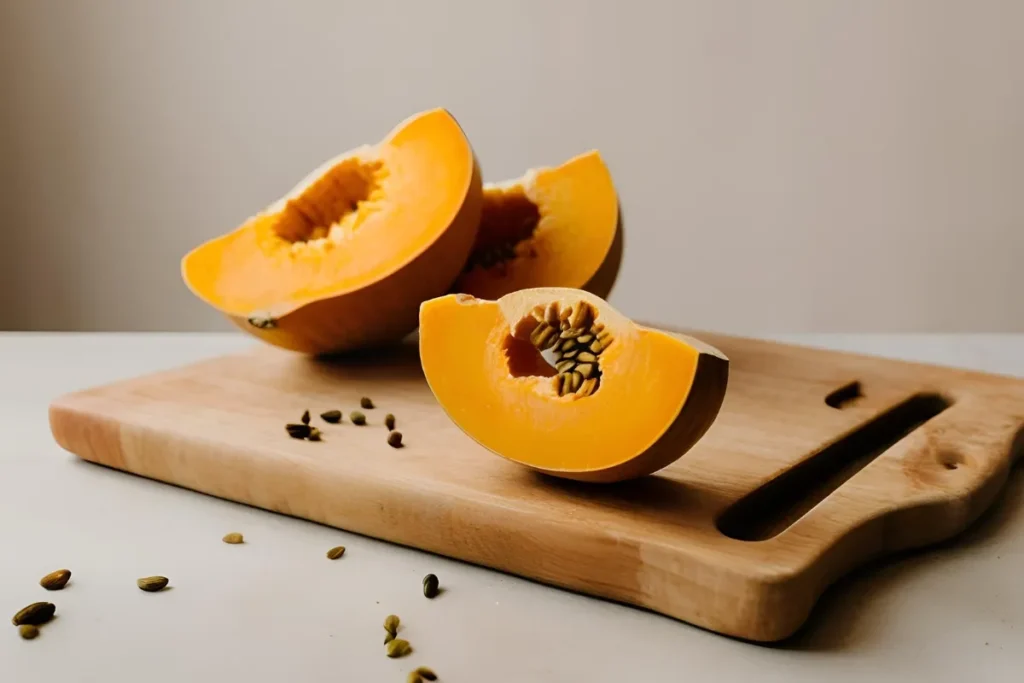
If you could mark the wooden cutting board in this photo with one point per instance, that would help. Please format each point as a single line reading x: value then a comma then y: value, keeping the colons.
x: 818, y: 462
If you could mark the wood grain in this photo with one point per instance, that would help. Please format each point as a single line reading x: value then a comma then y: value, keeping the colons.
x: 672, y: 542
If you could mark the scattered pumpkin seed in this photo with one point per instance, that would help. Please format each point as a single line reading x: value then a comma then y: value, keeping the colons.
x: 413, y: 677
x: 314, y: 434
x: 234, y: 538
x: 152, y: 584
x: 34, y: 614
x: 395, y: 439
x: 298, y: 431
x: 55, y: 581
x: 391, y: 624
x: 28, y: 631
x: 305, y: 418
x: 399, y: 647
x: 357, y: 417
x: 389, y: 421
x: 365, y: 403
x: 336, y: 552
x: 426, y: 673
x: 388, y: 637
x: 430, y: 586
x: 332, y: 416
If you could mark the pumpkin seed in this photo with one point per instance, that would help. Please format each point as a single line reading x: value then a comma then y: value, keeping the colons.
x: 587, y: 357
x: 314, y: 434
x: 298, y: 431
x: 336, y: 552
x: 391, y: 624
x: 585, y: 338
x: 565, y: 314
x: 597, y: 346
x: 389, y: 421
x: 54, y: 581
x: 551, y: 315
x: 28, y: 631
x: 413, y: 677
x: 395, y: 439
x: 588, y: 387
x: 34, y: 614
x: 570, y: 333
x: 305, y: 418
x: 430, y: 586
x: 262, y: 322
x: 585, y: 369
x: 399, y: 647
x: 234, y: 538
x: 562, y: 383
x: 543, y: 336
x: 570, y: 354
x: 365, y: 403
x: 580, y: 316
x: 332, y: 416
x: 425, y: 673
x: 357, y: 417
x: 577, y: 381
x: 566, y: 344
x: 565, y: 365
x: 152, y: 584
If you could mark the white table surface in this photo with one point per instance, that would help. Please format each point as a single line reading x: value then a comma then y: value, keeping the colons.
x: 276, y: 610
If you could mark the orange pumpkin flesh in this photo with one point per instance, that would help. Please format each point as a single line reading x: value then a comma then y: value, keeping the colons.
x: 657, y: 392
x: 553, y: 227
x: 344, y: 260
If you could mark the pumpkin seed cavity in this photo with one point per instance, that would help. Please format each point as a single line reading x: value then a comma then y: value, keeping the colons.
x: 576, y: 341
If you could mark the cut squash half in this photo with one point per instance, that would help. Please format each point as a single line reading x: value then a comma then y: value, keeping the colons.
x: 552, y: 227
x: 344, y: 260
x: 557, y: 380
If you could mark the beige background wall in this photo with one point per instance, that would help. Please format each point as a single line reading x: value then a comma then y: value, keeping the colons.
x: 783, y: 165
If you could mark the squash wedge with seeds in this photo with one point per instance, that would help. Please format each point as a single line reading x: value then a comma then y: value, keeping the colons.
x: 648, y: 398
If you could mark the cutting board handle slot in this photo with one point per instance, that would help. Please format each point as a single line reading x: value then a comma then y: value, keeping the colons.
x: 844, y: 395
x: 778, y: 504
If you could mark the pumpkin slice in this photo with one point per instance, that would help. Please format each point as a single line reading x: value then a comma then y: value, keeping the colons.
x: 344, y: 260
x: 553, y: 227
x: 557, y: 380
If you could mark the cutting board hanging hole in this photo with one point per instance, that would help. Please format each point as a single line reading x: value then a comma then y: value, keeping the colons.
x: 778, y: 504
